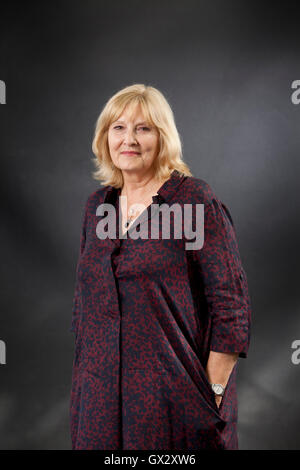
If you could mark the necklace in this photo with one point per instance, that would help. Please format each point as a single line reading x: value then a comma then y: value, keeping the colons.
x: 131, y: 214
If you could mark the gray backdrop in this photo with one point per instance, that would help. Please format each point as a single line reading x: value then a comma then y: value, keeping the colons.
x: 226, y: 69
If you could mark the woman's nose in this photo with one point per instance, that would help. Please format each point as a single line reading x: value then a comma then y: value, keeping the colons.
x: 130, y: 137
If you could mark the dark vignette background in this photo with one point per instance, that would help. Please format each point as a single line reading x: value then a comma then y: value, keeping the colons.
x: 226, y: 68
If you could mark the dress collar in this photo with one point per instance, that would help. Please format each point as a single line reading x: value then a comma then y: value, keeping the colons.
x: 164, y: 194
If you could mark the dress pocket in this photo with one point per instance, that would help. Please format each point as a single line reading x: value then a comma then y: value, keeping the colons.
x: 166, y: 411
x: 208, y: 393
x: 227, y: 409
x: 228, y: 406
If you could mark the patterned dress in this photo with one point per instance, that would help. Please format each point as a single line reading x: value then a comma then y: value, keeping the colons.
x: 146, y: 314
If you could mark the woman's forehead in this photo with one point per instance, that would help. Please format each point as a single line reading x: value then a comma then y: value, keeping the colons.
x: 133, y: 114
x: 132, y: 110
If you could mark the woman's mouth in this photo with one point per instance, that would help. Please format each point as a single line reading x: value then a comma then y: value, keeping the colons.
x: 130, y: 153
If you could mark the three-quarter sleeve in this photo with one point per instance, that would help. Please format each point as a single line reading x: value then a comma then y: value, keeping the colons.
x: 224, y: 281
x: 76, y: 310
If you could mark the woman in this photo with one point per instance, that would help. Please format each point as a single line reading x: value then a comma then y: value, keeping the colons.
x: 158, y: 328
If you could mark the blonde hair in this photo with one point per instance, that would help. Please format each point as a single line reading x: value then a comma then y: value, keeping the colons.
x: 158, y: 112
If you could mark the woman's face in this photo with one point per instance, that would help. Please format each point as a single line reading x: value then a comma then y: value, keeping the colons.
x: 133, y: 134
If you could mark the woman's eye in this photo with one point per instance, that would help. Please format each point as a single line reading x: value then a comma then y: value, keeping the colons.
x: 144, y: 128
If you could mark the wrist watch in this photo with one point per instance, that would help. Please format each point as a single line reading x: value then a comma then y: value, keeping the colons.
x: 218, y: 389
